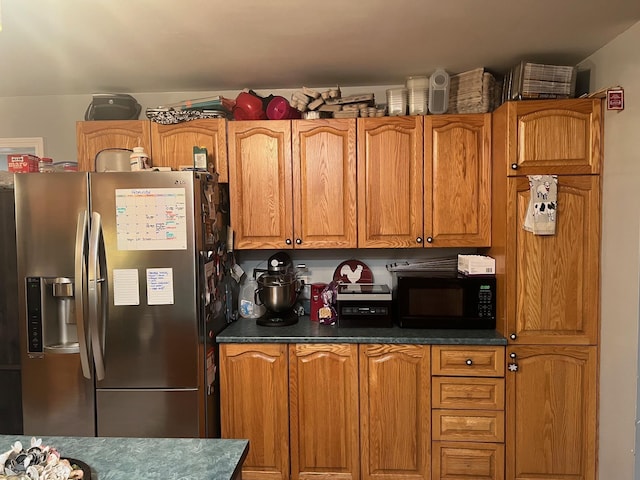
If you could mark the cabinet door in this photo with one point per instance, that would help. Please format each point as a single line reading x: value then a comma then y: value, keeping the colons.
x: 254, y: 404
x: 390, y: 189
x: 260, y: 184
x: 94, y: 136
x: 551, y: 413
x: 553, y: 287
x: 324, y: 178
x: 395, y: 412
x: 457, y: 180
x: 324, y: 411
x: 173, y: 144
x: 553, y: 136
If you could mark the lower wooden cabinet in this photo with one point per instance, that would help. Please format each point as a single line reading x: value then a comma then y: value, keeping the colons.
x: 468, y: 461
x: 468, y: 419
x: 328, y: 411
x: 324, y: 419
x: 395, y: 436
x: 254, y: 397
x: 551, y: 412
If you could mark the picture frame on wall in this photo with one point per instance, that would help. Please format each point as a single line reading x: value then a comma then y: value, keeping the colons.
x: 25, y: 145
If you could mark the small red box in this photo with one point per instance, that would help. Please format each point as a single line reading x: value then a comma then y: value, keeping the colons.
x: 615, y: 99
x: 22, y: 163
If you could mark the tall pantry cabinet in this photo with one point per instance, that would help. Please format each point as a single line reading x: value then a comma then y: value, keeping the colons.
x: 548, y: 286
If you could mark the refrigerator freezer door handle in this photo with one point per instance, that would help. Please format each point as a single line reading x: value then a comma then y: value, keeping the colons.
x: 80, y: 287
x: 96, y: 286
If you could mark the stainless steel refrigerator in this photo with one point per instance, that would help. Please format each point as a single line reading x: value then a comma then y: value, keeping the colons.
x: 119, y: 302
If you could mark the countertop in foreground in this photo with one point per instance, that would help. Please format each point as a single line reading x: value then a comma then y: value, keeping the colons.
x: 246, y: 330
x: 113, y: 458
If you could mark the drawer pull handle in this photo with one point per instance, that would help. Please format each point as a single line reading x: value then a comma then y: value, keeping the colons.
x: 469, y: 361
x: 513, y: 336
x: 514, y: 166
x: 512, y: 355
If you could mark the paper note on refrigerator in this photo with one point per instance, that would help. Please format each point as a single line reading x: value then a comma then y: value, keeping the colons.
x: 126, y: 287
x: 159, y: 286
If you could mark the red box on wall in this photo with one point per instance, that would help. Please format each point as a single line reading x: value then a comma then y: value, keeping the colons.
x: 22, y: 163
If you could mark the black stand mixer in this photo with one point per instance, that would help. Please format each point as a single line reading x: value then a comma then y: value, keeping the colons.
x: 278, y: 291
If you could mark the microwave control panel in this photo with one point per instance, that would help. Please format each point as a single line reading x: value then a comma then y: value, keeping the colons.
x: 486, y: 304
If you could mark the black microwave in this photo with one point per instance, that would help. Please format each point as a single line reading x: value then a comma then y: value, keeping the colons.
x: 445, y: 300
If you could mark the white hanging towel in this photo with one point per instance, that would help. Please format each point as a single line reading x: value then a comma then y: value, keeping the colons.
x: 543, y: 203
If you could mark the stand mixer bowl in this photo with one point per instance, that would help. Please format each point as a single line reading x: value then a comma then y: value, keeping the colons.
x: 278, y: 292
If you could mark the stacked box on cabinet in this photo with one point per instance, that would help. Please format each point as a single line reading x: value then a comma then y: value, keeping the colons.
x: 475, y: 91
x: 528, y: 80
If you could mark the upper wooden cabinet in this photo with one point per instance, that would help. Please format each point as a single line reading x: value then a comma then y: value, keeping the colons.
x: 390, y: 182
x: 173, y: 144
x: 457, y: 180
x: 324, y: 183
x: 94, y: 136
x: 293, y: 184
x: 168, y: 145
x: 260, y: 184
x: 549, y: 137
x: 424, y: 181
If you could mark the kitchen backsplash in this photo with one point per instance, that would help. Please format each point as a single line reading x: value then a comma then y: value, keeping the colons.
x: 321, y: 264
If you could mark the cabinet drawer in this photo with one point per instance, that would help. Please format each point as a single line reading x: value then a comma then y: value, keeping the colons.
x: 468, y: 425
x: 467, y: 393
x: 468, y: 361
x: 468, y: 461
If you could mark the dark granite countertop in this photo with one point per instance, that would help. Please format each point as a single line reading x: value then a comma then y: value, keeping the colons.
x: 305, y: 331
x: 148, y: 458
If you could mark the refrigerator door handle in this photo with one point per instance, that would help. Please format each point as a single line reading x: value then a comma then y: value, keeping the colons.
x: 80, y: 291
x: 97, y: 293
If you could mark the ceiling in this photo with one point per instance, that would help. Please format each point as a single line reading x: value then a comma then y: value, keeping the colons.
x: 56, y: 47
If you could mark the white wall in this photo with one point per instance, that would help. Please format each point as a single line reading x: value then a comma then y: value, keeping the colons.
x: 618, y: 63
